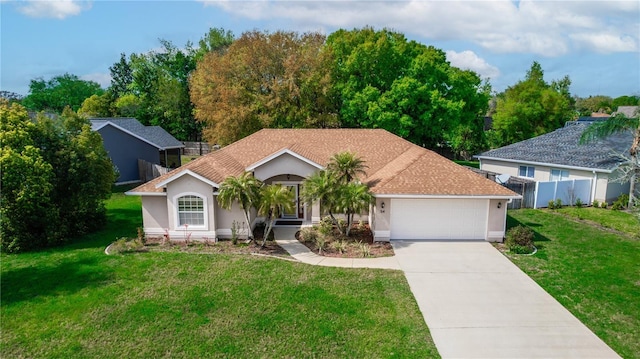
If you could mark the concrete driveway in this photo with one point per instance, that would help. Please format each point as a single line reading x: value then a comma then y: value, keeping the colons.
x: 478, y: 304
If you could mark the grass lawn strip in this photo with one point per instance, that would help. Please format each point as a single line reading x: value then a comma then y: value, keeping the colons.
x: 593, y: 272
x: 77, y: 301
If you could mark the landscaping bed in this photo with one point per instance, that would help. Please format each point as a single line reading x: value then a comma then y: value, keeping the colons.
x: 359, y: 243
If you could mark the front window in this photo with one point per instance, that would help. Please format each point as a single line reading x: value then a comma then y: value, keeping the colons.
x: 527, y: 171
x: 559, y: 175
x: 190, y: 211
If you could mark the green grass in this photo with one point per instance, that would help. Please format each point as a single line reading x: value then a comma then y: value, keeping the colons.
x: 77, y: 302
x: 617, y: 220
x: 474, y: 164
x: 593, y: 272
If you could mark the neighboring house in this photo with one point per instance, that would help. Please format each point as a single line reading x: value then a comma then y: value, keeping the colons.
x: 558, y: 156
x: 418, y: 193
x: 629, y: 111
x: 127, y: 140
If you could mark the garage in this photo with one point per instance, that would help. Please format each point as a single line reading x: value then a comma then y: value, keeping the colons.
x: 440, y: 218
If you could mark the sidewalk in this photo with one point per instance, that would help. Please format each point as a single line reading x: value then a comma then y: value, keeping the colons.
x: 285, y: 237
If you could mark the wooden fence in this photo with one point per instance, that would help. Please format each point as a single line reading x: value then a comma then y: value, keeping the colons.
x: 148, y: 171
x: 525, y: 188
x: 197, y: 148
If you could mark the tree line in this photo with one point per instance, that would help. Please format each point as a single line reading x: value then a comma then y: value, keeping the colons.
x: 225, y: 87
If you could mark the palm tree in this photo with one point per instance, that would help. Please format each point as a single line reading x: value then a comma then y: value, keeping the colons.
x: 244, y: 189
x: 347, y: 166
x: 321, y: 186
x: 274, y: 199
x: 353, y: 198
x: 618, y: 124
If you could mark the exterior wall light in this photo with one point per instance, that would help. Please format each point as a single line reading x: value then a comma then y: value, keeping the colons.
x: 382, y: 207
x: 499, y: 204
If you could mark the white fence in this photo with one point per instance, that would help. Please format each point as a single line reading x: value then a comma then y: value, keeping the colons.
x: 569, y: 191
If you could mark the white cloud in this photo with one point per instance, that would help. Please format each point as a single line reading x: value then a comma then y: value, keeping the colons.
x: 548, y: 28
x: 104, y: 79
x: 468, y: 60
x: 57, y: 9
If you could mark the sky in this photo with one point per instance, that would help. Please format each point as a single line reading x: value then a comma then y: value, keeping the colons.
x: 595, y: 43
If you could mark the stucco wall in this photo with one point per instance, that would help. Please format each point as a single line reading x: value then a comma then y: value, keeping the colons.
x: 382, y: 231
x: 225, y: 218
x: 125, y: 150
x: 154, y: 215
x: 497, y: 221
x: 188, y: 185
x: 284, y: 164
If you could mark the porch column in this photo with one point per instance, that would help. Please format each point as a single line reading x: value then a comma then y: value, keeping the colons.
x: 315, y: 212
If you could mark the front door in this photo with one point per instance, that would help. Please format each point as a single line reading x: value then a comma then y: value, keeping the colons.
x: 293, y: 213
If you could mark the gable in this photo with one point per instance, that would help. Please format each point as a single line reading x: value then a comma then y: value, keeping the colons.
x: 284, y: 162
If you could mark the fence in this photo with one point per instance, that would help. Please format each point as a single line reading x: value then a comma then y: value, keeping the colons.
x: 197, y: 148
x: 528, y: 192
x: 148, y: 171
x: 568, y: 191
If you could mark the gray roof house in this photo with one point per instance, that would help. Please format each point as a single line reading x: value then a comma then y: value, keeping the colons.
x: 127, y: 140
x: 559, y: 156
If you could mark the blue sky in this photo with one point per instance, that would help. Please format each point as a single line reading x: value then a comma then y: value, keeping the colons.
x: 596, y: 43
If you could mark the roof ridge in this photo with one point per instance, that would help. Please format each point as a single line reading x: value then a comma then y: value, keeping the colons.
x: 412, y: 154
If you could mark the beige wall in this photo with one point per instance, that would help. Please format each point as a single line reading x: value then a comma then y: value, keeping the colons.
x: 154, y: 215
x: 497, y: 221
x: 187, y: 185
x: 603, y: 189
x: 382, y: 219
x: 284, y: 164
x: 225, y: 218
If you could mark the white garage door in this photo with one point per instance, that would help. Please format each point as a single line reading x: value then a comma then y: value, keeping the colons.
x: 438, y: 218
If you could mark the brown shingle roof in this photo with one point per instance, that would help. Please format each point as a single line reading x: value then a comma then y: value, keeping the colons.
x: 395, y: 166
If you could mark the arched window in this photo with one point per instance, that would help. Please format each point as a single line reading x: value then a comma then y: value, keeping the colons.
x: 190, y: 211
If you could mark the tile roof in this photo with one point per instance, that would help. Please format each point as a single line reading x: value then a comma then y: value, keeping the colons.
x: 154, y: 135
x: 561, y: 147
x: 395, y: 166
x: 629, y: 111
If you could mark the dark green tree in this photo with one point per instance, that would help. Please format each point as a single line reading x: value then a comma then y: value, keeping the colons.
x: 532, y: 107
x: 59, y: 92
x: 121, y: 77
x: 382, y: 80
x: 55, y: 177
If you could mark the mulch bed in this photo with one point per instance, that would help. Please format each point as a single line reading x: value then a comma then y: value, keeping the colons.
x: 358, y: 235
x: 224, y: 246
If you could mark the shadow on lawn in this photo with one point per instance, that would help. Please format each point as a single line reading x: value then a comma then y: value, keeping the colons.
x: 121, y: 222
x: 52, y: 279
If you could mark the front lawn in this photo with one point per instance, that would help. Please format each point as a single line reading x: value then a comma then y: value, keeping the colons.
x: 593, y: 271
x: 77, y: 302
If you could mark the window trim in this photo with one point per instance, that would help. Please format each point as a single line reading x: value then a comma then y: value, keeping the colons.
x: 176, y: 212
x: 528, y: 174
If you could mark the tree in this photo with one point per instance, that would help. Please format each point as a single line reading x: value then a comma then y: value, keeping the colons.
x: 217, y: 40
x: 263, y: 80
x: 593, y: 104
x: 382, y: 80
x: 55, y: 177
x: 274, y: 199
x: 121, y: 77
x: 532, y: 107
x: 11, y: 96
x: 337, y: 190
x: 625, y: 101
x: 352, y: 198
x: 96, y: 106
x: 347, y: 166
x: 618, y: 124
x: 59, y: 92
x: 244, y: 190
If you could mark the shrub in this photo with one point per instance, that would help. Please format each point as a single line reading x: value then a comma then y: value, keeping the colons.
x: 596, y: 204
x: 579, y: 203
x: 326, y: 226
x: 551, y: 204
x: 321, y: 243
x: 558, y: 204
x: 604, y: 205
x: 340, y: 246
x: 364, y: 249
x: 234, y: 232
x: 520, y: 240
x: 125, y: 245
x: 309, y: 234
x: 621, y: 202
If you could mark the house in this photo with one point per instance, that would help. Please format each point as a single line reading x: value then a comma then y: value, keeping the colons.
x: 558, y: 156
x: 418, y: 193
x: 127, y: 140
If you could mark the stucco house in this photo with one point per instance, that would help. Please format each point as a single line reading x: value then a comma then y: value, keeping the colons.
x: 558, y: 156
x: 418, y: 193
x: 127, y: 140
